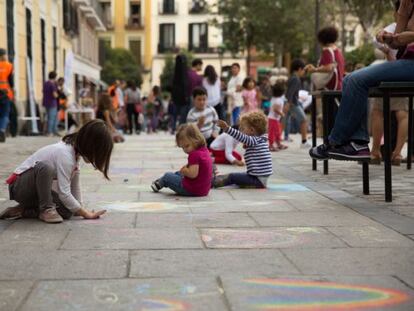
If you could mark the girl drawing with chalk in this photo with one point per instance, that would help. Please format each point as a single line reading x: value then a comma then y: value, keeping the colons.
x: 46, y: 185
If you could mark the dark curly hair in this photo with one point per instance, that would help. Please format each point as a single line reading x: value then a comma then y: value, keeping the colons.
x: 257, y: 120
x: 247, y: 81
x: 328, y: 35
x: 278, y: 90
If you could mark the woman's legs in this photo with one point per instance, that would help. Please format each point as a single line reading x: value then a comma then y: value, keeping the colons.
x: 377, y: 132
x: 130, y: 113
x: 402, y: 119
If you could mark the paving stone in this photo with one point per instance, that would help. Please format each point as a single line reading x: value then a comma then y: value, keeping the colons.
x: 327, y: 218
x: 242, y: 206
x: 208, y: 263
x: 4, y: 224
x: 12, y: 294
x: 108, y: 220
x: 206, y: 220
x: 301, y: 237
x: 141, y: 238
x: 353, y: 261
x: 318, y: 293
x: 30, y: 264
x: 370, y: 236
x: 127, y: 294
x: 169, y: 206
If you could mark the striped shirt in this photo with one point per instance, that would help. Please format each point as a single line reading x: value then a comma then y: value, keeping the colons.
x: 210, y: 121
x: 257, y: 156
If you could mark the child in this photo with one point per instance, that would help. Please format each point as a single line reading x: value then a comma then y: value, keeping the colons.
x: 223, y: 150
x: 32, y: 183
x: 250, y: 96
x: 203, y: 116
x: 258, y: 159
x: 275, y: 114
x: 194, y: 179
x: 292, y: 94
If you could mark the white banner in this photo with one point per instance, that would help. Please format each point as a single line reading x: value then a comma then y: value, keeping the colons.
x: 32, y: 103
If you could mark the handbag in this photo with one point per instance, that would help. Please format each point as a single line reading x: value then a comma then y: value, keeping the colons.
x: 138, y: 107
x: 321, y: 79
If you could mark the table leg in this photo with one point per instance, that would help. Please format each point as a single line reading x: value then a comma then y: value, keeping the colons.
x: 314, y: 113
x: 410, y: 133
x: 387, y: 149
x: 325, y: 123
x: 365, y: 177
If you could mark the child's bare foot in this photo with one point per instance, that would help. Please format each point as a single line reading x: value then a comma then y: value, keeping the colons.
x: 282, y: 147
x: 12, y: 213
x: 274, y: 149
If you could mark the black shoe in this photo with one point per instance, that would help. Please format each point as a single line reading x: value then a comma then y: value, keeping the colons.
x: 2, y: 137
x: 155, y: 186
x: 220, y: 181
x: 350, y: 152
x: 320, y: 152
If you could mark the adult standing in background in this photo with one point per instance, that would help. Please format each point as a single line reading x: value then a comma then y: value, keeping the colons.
x: 6, y: 93
x: 212, y: 84
x: 194, y: 79
x: 50, y: 102
x: 234, y: 92
x: 180, y: 84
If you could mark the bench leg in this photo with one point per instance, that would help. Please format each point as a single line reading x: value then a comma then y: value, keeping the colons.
x: 325, y: 117
x: 410, y: 133
x: 387, y: 149
x: 314, y: 125
x: 365, y: 177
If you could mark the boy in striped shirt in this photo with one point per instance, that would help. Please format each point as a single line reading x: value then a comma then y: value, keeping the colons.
x: 253, y: 128
x: 204, y: 116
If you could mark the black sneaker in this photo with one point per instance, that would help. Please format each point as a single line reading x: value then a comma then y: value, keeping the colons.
x: 350, y: 152
x: 2, y: 137
x: 155, y: 186
x: 320, y: 152
x: 220, y: 181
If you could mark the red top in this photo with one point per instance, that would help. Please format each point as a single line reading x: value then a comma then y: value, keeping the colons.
x: 200, y: 186
x: 326, y: 59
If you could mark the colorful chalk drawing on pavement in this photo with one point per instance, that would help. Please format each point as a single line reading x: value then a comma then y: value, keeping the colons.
x: 135, y: 207
x: 313, y: 295
x: 164, y: 304
x: 125, y: 170
x: 238, y: 238
x: 286, y: 188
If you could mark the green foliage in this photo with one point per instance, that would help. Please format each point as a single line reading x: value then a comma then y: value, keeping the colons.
x: 362, y: 55
x: 167, y: 74
x: 120, y: 64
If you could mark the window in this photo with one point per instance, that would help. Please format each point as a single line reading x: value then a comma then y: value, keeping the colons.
x: 104, y: 45
x: 43, y: 46
x: 135, y: 13
x: 10, y: 30
x: 351, y: 38
x: 198, y: 40
x: 197, y: 7
x: 106, y: 13
x: 168, y: 7
x: 135, y: 48
x: 70, y: 18
x: 167, y: 38
x: 55, y: 48
x: 29, y: 34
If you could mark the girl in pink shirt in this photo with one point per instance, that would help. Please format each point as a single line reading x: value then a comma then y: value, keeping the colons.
x: 250, y: 96
x: 195, y: 178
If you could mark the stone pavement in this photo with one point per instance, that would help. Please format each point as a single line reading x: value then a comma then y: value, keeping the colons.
x: 309, y: 242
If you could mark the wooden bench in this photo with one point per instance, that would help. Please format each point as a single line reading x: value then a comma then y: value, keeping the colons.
x: 386, y: 91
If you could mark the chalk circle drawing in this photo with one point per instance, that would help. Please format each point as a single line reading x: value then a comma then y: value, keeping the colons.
x: 164, y: 305
x: 286, y: 188
x: 235, y: 238
x: 140, y: 206
x: 104, y: 295
x: 301, y: 295
x: 124, y: 170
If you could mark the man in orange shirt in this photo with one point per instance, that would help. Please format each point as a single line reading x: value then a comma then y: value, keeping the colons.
x: 6, y: 93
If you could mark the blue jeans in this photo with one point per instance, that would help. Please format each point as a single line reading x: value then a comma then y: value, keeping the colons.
x: 351, y: 119
x: 174, y: 181
x: 51, y: 120
x: 235, y: 114
x: 287, y: 120
x: 244, y: 180
x: 4, y: 114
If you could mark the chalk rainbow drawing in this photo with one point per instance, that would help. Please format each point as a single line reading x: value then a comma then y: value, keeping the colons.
x: 139, y: 206
x: 315, y: 295
x: 286, y: 188
x: 164, y: 305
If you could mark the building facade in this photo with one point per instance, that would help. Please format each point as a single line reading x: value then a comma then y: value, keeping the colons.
x: 40, y: 36
x: 129, y: 28
x: 186, y: 25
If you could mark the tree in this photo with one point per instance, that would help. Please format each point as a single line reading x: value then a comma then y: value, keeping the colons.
x: 120, y: 64
x: 167, y: 74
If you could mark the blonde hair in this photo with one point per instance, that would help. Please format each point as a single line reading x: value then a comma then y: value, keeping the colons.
x: 190, y: 133
x: 256, y: 120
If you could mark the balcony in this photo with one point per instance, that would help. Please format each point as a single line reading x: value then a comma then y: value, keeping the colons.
x: 135, y: 22
x: 162, y: 49
x: 197, y: 7
x: 203, y: 50
x: 93, y: 12
x: 168, y: 7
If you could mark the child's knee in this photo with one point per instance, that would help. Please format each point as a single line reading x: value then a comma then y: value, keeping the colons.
x: 45, y: 169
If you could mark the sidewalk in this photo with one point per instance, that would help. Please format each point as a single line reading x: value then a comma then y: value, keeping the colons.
x: 308, y: 241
